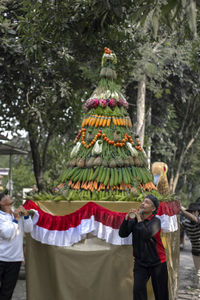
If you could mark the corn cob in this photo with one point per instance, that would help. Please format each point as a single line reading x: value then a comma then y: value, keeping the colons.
x: 93, y: 120
x: 108, y: 121
x: 104, y: 122
x: 101, y: 120
x: 97, y: 121
x: 87, y: 120
x: 114, y: 121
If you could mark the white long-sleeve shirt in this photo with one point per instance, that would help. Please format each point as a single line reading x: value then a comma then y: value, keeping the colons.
x: 11, y: 236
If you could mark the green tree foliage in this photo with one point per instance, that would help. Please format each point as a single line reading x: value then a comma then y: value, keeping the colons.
x: 191, y: 177
x: 173, y: 94
x: 22, y: 174
x: 50, y: 58
x: 179, y: 129
x: 38, y: 90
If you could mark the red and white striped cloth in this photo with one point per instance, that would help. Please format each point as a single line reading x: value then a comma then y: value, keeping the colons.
x: 91, y: 218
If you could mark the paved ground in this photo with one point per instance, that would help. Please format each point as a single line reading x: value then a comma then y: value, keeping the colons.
x: 187, y: 287
x: 187, y: 290
x: 20, y: 291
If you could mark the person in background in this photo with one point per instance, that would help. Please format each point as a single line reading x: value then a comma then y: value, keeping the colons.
x: 13, y: 223
x: 182, y: 233
x: 198, y: 200
x: 148, y: 250
x: 191, y: 225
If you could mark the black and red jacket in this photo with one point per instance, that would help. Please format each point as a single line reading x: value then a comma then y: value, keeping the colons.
x: 148, y: 249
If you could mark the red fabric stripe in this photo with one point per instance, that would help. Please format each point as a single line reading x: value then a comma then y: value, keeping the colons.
x: 169, y: 208
x: 105, y: 216
x: 160, y: 248
x: 101, y: 214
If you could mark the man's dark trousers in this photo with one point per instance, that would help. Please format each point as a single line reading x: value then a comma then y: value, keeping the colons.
x: 159, y: 278
x: 9, y: 272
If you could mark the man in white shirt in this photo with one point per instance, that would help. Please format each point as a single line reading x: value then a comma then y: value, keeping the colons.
x: 12, y: 227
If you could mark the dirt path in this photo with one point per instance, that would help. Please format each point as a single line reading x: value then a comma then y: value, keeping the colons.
x: 187, y: 289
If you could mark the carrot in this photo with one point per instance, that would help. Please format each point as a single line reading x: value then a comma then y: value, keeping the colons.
x: 95, y: 184
x: 91, y: 184
x: 77, y: 185
x: 92, y: 187
x: 88, y: 185
x: 84, y: 185
x: 140, y: 186
x: 147, y: 186
x: 60, y: 186
x: 101, y: 187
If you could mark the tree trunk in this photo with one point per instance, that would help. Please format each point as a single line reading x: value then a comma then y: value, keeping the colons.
x: 182, y: 156
x: 39, y: 159
x: 37, y: 165
x: 140, y: 129
x: 149, y: 114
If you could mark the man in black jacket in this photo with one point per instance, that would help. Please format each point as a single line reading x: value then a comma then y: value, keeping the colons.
x: 148, y: 250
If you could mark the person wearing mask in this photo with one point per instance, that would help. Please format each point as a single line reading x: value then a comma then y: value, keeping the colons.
x: 148, y: 250
x: 13, y: 223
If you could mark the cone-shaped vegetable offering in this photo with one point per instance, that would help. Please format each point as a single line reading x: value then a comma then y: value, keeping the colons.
x: 106, y: 160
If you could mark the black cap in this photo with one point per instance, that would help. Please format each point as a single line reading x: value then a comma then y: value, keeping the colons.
x: 193, y: 207
x: 154, y: 200
x: 3, y: 194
